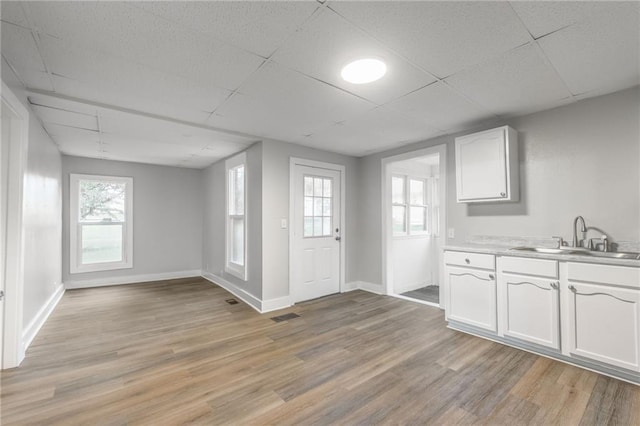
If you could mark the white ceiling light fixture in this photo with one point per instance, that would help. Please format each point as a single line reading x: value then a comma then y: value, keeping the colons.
x: 364, y: 71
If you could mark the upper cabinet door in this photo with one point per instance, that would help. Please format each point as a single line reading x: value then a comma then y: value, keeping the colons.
x: 487, y: 166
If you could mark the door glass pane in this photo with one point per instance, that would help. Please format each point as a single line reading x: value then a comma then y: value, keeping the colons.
x: 317, y: 187
x: 326, y: 187
x: 317, y: 226
x: 326, y: 226
x: 398, y: 219
x: 308, y: 186
x: 237, y: 241
x: 101, y: 243
x: 102, y: 201
x: 308, y: 227
x: 418, y: 219
x: 326, y: 207
x: 397, y: 190
x: 416, y: 191
x: 317, y: 206
x: 308, y: 206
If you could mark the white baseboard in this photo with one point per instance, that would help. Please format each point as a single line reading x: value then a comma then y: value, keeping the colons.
x: 131, y: 279
x: 241, y: 294
x: 371, y: 287
x: 276, y: 304
x: 41, y: 317
x: 350, y: 286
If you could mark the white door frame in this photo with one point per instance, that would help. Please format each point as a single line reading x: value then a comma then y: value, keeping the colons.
x: 387, y: 273
x: 13, y: 345
x: 293, y: 162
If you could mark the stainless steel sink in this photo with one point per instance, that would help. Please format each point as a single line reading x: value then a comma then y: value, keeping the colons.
x: 579, y: 251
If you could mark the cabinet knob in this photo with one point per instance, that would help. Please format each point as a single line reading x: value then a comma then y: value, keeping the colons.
x: 491, y: 276
x: 554, y: 285
x: 572, y: 288
x: 467, y: 261
x: 502, y: 194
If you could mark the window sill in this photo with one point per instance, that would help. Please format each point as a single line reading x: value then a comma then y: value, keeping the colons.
x: 99, y: 267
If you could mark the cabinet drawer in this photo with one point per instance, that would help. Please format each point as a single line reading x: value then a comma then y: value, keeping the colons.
x: 527, y: 266
x: 470, y: 260
x: 604, y: 274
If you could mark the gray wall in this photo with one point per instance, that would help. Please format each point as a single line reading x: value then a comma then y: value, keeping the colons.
x: 213, y: 248
x: 167, y: 216
x: 275, y: 206
x: 42, y: 217
x: 582, y: 158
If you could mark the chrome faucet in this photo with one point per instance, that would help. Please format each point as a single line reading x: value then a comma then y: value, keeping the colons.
x: 583, y: 229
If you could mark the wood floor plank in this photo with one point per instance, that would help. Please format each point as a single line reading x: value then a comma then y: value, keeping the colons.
x: 174, y: 352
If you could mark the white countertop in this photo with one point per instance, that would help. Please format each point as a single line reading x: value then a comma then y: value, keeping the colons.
x: 505, y: 251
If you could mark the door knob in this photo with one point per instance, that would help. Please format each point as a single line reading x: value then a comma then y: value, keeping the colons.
x: 338, y: 238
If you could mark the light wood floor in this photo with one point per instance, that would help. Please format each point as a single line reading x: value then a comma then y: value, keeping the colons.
x: 174, y: 352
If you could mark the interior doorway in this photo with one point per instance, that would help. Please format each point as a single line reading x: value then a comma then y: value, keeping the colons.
x: 414, y: 211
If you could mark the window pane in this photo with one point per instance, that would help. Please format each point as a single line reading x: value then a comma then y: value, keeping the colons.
x: 397, y: 190
x: 102, y: 201
x: 101, y: 243
x: 238, y: 191
x: 326, y: 187
x: 308, y: 186
x: 416, y: 191
x: 326, y: 207
x: 317, y: 187
x: 237, y: 241
x: 308, y: 227
x: 308, y: 206
x: 398, y: 219
x: 418, y: 219
x: 317, y: 226
x: 326, y: 226
x: 317, y: 206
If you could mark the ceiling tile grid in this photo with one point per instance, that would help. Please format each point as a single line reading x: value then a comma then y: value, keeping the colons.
x: 327, y: 43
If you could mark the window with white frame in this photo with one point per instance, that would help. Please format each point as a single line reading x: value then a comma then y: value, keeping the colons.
x: 236, y: 224
x: 101, y: 225
x: 409, y: 209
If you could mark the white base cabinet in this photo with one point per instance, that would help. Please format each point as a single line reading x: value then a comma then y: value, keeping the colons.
x: 603, y: 319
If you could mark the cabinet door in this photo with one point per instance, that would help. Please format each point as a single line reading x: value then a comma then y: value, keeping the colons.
x: 472, y: 297
x: 604, y: 324
x: 481, y: 166
x: 530, y: 309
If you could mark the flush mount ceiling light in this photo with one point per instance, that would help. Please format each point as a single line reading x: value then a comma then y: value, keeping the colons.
x: 364, y: 71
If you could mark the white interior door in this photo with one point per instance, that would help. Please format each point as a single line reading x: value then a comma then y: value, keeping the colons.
x: 4, y: 187
x: 316, y: 233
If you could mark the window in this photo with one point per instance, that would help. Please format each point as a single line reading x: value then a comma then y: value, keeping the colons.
x: 409, y: 209
x: 101, y: 226
x: 318, y: 210
x: 236, y: 225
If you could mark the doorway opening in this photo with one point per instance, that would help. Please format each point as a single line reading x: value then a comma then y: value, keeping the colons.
x: 414, y: 211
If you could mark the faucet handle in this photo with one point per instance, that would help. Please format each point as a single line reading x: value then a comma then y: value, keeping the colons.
x: 561, y: 241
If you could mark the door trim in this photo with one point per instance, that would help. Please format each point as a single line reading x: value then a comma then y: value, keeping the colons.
x: 385, y: 190
x: 293, y: 162
x: 13, y: 344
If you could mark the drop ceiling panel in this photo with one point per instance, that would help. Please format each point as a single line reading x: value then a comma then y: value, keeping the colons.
x: 256, y: 26
x: 20, y: 50
x: 134, y: 35
x: 519, y: 82
x: 327, y: 43
x: 66, y: 118
x: 11, y: 11
x: 544, y: 17
x: 600, y: 55
x: 441, y: 107
x: 378, y: 129
x: 441, y: 37
x: 278, y: 102
x: 102, y: 78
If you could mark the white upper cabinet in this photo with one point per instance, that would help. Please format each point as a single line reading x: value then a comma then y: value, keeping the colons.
x: 487, y: 166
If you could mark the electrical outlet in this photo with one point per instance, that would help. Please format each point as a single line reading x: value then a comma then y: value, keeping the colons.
x: 451, y: 233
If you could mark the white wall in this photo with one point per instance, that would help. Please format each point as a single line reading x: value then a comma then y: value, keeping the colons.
x: 275, y: 206
x: 582, y: 158
x: 213, y: 248
x: 167, y: 219
x: 42, y: 217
